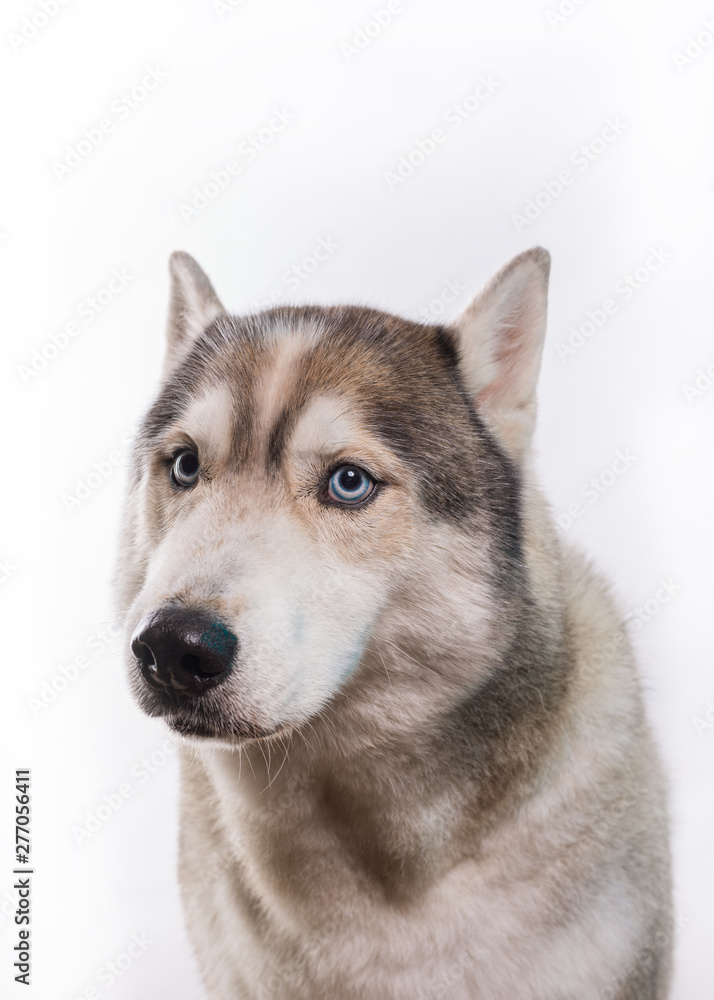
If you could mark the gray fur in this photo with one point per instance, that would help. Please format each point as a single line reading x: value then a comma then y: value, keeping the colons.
x: 456, y: 792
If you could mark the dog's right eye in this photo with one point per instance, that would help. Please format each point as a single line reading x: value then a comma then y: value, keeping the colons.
x: 185, y: 469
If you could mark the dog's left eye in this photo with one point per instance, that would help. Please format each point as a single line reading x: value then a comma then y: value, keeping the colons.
x: 185, y: 469
x: 349, y: 484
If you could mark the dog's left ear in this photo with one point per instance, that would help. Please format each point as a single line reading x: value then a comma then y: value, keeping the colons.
x: 193, y: 306
x: 500, y: 342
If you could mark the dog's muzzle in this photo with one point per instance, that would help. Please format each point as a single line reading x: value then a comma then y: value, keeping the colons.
x: 183, y: 652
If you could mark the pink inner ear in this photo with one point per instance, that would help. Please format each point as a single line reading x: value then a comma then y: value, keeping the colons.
x: 502, y: 336
x: 516, y: 356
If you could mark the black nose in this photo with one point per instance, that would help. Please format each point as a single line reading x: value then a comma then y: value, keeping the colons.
x: 183, y: 651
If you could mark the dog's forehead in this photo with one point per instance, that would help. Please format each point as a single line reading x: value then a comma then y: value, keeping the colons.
x: 287, y: 411
x: 322, y: 347
x: 265, y: 370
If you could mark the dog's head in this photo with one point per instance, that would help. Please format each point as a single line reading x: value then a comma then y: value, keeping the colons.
x: 318, y: 489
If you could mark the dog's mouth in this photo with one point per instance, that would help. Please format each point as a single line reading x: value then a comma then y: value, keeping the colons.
x: 238, y: 730
x: 199, y: 717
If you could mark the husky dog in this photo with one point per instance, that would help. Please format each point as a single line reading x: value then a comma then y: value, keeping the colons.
x: 416, y: 762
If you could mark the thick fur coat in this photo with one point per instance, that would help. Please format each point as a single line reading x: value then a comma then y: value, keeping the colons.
x: 423, y: 768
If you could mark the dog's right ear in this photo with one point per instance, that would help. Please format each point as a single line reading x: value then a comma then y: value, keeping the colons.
x: 500, y: 342
x: 193, y: 306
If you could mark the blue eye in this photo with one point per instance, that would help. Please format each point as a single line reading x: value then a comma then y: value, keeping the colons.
x: 185, y: 469
x: 349, y: 485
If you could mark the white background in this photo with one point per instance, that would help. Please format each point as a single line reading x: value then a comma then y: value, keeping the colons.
x: 452, y: 219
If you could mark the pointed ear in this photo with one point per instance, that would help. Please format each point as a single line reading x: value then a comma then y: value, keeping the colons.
x: 500, y: 342
x: 192, y: 307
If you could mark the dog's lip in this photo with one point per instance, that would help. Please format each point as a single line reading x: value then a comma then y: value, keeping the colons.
x: 190, y: 716
x: 241, y: 728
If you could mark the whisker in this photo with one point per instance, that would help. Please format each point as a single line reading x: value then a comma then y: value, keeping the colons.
x: 381, y: 656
